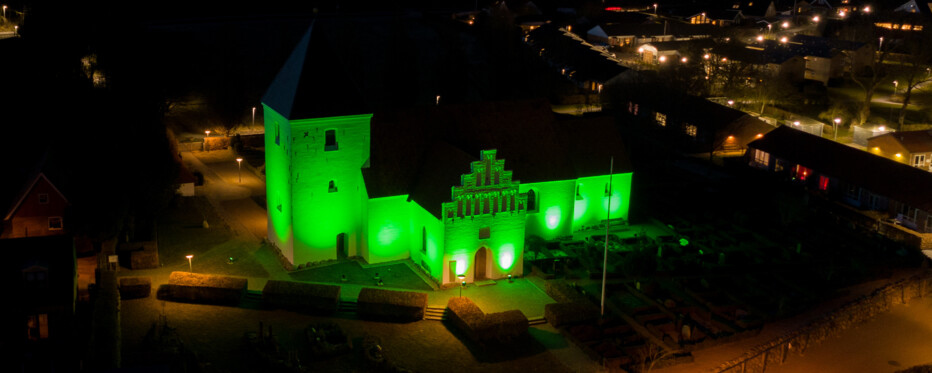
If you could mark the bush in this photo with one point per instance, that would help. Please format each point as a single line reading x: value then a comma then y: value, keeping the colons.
x: 201, y: 288
x: 391, y: 305
x: 106, y: 338
x: 563, y: 292
x: 135, y: 287
x: 479, y: 327
x: 559, y: 314
x: 506, y: 325
x: 301, y: 297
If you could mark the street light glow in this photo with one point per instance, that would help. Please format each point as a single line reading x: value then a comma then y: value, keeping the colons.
x: 190, y: 267
x: 239, y: 168
x: 683, y: 60
x: 663, y: 58
x: 785, y: 24
x: 784, y: 39
x: 815, y: 19
x: 760, y: 37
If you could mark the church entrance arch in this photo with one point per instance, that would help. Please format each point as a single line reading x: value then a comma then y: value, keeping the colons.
x: 481, y: 264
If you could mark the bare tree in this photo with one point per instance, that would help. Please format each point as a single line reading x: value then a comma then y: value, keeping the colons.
x: 912, y: 69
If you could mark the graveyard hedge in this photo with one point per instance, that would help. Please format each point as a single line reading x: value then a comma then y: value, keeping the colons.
x: 203, y: 288
x: 301, y: 297
x: 564, y: 292
x: 481, y: 327
x: 391, y: 305
x: 559, y: 314
x: 135, y: 287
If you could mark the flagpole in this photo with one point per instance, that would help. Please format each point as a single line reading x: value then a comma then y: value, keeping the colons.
x: 608, y: 222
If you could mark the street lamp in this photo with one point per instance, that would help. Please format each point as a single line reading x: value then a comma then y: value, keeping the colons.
x: 239, y: 168
x: 4, y: 11
x: 462, y: 279
x: 253, y: 116
x: 760, y: 38
x: 655, y: 9
x: 895, y: 84
x: 836, y: 122
x: 206, y: 135
x: 880, y: 45
x: 731, y: 102
x: 190, y: 267
x: 785, y: 24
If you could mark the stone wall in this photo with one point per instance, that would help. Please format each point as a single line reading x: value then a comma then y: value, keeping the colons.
x: 863, y: 309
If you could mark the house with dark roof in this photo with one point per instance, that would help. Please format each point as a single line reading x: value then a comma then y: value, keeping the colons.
x: 864, y: 181
x: 37, y: 210
x: 635, y: 34
x: 774, y: 60
x: 911, y: 147
x: 588, y: 66
x: 829, y: 58
x: 454, y: 188
x: 40, y: 278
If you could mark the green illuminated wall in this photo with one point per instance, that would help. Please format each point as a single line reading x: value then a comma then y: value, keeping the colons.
x: 305, y: 213
x: 590, y: 206
x: 562, y: 208
x: 389, y: 233
x: 277, y: 180
x: 554, y: 214
x: 427, y: 240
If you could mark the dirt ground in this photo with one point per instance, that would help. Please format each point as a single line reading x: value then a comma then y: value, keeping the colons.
x: 215, y: 334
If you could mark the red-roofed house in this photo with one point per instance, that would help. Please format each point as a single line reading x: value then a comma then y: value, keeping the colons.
x: 38, y: 210
x: 911, y: 147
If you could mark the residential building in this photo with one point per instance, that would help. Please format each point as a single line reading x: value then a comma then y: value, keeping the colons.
x: 37, y: 210
x: 911, y: 147
x: 879, y: 187
x: 41, y: 281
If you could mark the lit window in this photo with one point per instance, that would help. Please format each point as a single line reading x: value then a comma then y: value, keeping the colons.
x: 55, y: 223
x: 485, y: 233
x: 37, y: 327
x: 802, y: 173
x: 823, y: 182
x: 661, y: 119
x: 762, y: 158
x: 691, y: 130
x: 332, y: 187
x: 43, y: 198
x: 331, y: 141
x: 578, y: 195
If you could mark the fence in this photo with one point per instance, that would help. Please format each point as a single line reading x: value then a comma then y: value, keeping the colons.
x: 858, y: 311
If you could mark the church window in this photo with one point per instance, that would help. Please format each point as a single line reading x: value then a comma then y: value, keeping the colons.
x: 578, y: 195
x: 485, y: 233
x: 424, y: 240
x: 531, y: 201
x: 331, y: 141
x: 332, y: 187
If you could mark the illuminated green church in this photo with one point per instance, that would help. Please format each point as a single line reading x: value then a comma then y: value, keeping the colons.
x: 454, y: 188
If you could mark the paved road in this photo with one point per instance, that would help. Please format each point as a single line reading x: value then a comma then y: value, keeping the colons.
x: 232, y: 192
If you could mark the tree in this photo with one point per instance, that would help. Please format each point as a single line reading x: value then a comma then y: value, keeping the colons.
x: 912, y: 68
x: 861, y: 28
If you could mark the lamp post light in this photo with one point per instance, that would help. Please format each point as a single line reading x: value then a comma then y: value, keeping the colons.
x: 190, y: 267
x: 4, y: 11
x: 880, y: 44
x: 655, y: 9
x: 206, y: 135
x: 462, y: 279
x: 239, y: 168
x: 895, y: 84
x: 253, y: 116
x: 835, y: 124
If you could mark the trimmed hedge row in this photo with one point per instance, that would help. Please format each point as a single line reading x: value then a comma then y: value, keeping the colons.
x: 481, y: 327
x: 559, y: 314
x: 391, y: 305
x: 135, y: 287
x: 563, y: 292
x: 203, y: 288
x: 301, y: 297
